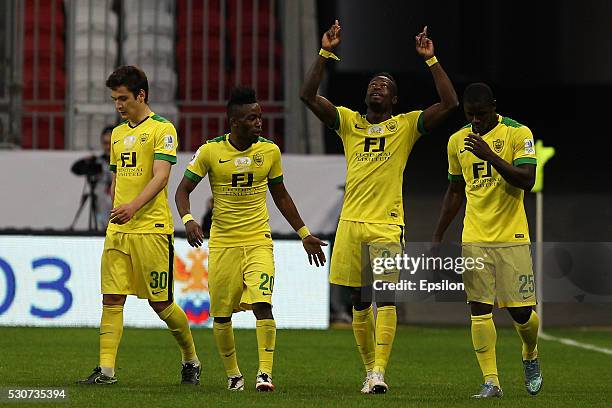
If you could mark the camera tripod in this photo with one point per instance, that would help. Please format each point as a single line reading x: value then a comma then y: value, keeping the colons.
x: 91, y: 181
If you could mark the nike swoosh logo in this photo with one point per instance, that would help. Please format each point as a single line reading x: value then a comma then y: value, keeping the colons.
x: 360, y: 128
x: 480, y: 349
x: 105, y: 333
x: 157, y: 293
x: 526, y: 297
x: 382, y: 344
x: 224, y: 161
x: 266, y: 294
x: 268, y: 350
x: 115, y: 141
x: 461, y: 151
x: 228, y: 355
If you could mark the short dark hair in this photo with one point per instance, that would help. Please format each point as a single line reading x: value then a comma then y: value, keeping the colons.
x: 478, y: 93
x: 240, y: 96
x: 389, y: 77
x: 107, y: 129
x: 130, y: 76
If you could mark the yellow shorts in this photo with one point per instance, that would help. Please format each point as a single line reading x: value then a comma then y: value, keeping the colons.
x: 239, y: 277
x: 138, y: 264
x: 356, y: 246
x: 507, y: 276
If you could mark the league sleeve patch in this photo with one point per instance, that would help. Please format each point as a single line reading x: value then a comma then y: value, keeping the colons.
x: 168, y: 142
x: 529, y: 149
x: 195, y: 156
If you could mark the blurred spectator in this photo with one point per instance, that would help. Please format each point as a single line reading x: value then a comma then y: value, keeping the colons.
x: 102, y: 191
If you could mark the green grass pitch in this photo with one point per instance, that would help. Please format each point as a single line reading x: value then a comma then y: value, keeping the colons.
x: 430, y: 367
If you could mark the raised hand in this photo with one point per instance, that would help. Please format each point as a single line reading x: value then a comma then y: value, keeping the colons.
x: 331, y: 38
x: 424, y: 46
x: 313, y: 247
x: 480, y: 148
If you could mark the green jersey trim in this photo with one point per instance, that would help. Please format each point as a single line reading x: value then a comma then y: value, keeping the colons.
x: 166, y: 157
x: 263, y: 139
x: 525, y: 160
x: 217, y: 139
x: 510, y: 122
x: 337, y: 122
x: 421, y: 124
x: 160, y: 118
x: 275, y: 180
x: 192, y: 176
x: 455, y: 177
x: 113, y: 168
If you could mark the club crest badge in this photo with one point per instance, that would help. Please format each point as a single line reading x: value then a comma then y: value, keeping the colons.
x: 498, y: 145
x: 391, y: 125
x: 258, y: 158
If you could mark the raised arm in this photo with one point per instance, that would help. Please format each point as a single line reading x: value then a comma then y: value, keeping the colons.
x: 438, y: 112
x: 453, y: 199
x: 286, y: 206
x: 195, y: 237
x: 319, y: 105
x: 125, y: 212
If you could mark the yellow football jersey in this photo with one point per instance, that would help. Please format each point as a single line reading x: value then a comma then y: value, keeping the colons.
x: 239, y: 182
x: 132, y: 152
x: 494, y: 211
x: 376, y: 155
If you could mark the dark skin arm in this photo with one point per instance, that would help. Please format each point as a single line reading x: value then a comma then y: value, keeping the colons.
x: 285, y: 205
x: 320, y: 106
x: 522, y: 176
x: 438, y: 112
x: 195, y: 236
x: 453, y: 200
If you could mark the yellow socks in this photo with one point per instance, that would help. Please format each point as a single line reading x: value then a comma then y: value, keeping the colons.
x: 266, y: 340
x: 177, y: 322
x: 363, y: 329
x: 484, y: 338
x: 529, y: 335
x: 386, y: 323
x: 224, y: 337
x: 111, y: 329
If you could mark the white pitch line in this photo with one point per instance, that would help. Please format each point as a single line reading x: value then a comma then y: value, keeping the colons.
x: 574, y: 343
